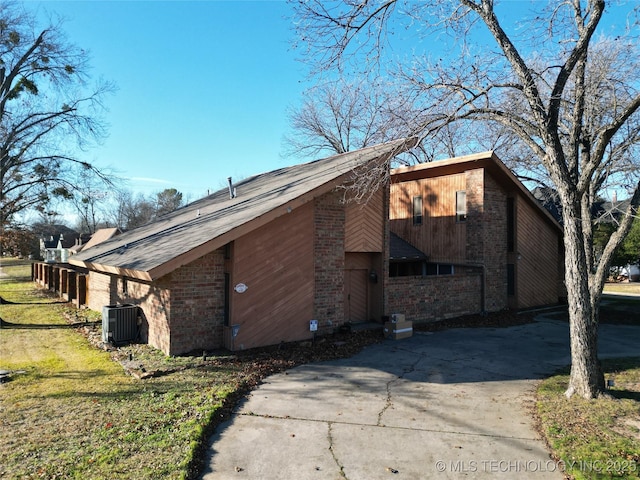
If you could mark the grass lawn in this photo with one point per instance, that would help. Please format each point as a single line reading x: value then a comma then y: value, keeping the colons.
x: 71, y: 411
x: 598, y: 439
x: 623, y: 287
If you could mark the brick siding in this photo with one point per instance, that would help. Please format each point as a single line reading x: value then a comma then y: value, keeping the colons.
x: 182, y: 312
x: 197, y: 304
x: 432, y: 298
x: 328, y: 246
x: 494, y: 234
x: 487, y: 235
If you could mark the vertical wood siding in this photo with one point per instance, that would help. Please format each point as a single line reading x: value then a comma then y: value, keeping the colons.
x: 439, y: 236
x: 537, y: 275
x: 276, y: 264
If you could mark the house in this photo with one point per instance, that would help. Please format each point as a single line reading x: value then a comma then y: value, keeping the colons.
x: 478, y: 241
x: 99, y: 236
x: 273, y: 258
x: 58, y: 248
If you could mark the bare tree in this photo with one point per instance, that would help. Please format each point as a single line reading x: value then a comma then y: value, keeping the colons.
x: 47, y: 109
x: 342, y: 115
x: 568, y: 103
x: 134, y: 210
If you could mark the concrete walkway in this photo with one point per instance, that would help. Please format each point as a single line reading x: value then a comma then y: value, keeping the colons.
x: 452, y: 404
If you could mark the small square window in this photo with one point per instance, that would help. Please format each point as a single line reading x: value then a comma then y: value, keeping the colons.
x: 417, y: 210
x: 461, y: 206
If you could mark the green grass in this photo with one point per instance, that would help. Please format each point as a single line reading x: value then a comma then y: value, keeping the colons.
x: 595, y: 439
x: 73, y: 412
x: 622, y: 287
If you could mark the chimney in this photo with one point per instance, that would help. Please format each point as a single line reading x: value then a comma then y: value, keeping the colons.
x: 614, y: 197
x: 232, y: 191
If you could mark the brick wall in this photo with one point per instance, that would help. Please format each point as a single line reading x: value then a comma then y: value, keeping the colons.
x: 487, y: 235
x: 154, y: 301
x: 182, y: 312
x: 197, y: 304
x: 431, y: 298
x: 329, y: 223
x: 475, y: 216
x: 101, y: 290
x: 495, y: 245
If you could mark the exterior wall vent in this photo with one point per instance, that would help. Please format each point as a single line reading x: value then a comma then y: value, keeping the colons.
x: 119, y: 323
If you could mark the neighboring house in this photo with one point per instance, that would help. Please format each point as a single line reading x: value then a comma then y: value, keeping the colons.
x: 486, y: 243
x: 99, y: 236
x: 263, y: 262
x: 58, y: 248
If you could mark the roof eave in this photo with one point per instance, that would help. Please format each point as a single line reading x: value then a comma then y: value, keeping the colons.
x: 108, y: 269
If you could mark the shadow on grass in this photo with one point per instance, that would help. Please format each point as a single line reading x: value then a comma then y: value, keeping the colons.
x: 44, y: 326
x: 617, y: 369
x: 50, y: 302
x: 625, y: 395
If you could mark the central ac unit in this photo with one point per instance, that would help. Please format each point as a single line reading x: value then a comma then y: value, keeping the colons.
x: 119, y: 323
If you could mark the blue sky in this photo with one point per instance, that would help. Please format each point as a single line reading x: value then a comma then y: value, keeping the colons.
x: 203, y: 87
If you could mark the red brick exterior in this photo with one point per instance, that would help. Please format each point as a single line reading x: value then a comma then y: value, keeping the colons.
x: 494, y: 239
x: 328, y: 246
x: 432, y: 298
x: 197, y: 304
x: 183, y: 311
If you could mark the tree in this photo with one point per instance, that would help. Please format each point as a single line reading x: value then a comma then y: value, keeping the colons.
x: 132, y: 211
x: 168, y: 200
x: 342, y: 115
x: 566, y: 98
x: 19, y: 242
x: 47, y: 110
x: 631, y: 246
x: 89, y: 199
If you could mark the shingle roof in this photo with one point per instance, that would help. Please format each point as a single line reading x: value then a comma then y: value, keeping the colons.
x: 402, y: 251
x: 99, y: 236
x: 155, y: 249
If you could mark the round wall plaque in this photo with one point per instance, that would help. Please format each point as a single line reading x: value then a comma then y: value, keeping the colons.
x: 241, y: 288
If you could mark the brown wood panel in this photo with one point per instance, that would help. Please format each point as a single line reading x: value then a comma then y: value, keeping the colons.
x: 276, y: 264
x: 439, y: 236
x: 536, y: 258
x: 356, y: 293
x: 364, y: 225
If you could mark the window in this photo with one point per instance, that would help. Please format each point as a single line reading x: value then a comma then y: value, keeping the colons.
x: 439, y: 269
x: 461, y: 206
x: 511, y: 279
x: 417, y: 210
x: 511, y: 224
x: 227, y: 298
x: 125, y: 287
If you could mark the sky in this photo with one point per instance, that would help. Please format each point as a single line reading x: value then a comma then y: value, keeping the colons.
x: 203, y: 87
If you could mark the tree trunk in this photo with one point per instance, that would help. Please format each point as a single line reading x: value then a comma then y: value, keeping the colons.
x: 587, y: 379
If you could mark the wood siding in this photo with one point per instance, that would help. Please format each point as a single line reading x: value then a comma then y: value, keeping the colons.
x: 439, y: 236
x: 363, y: 298
x: 276, y: 263
x: 537, y: 258
x: 364, y: 225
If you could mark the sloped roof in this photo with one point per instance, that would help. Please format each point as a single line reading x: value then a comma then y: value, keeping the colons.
x: 99, y: 236
x: 178, y: 238
x: 402, y: 251
x: 487, y: 160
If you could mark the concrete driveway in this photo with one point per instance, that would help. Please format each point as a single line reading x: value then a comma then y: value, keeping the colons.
x: 451, y: 404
